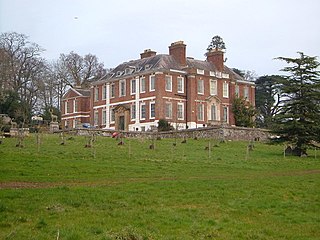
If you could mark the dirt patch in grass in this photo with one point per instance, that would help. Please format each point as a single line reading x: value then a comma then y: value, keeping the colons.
x: 101, y: 183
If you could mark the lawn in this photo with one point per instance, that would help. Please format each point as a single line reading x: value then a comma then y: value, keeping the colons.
x: 69, y: 192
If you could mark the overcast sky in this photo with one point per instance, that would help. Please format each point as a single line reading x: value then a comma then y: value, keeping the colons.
x: 254, y: 31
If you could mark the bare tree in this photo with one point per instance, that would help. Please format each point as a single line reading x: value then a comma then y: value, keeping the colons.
x: 21, y: 69
x: 78, y: 71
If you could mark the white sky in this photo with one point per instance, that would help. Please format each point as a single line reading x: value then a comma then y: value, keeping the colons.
x: 254, y: 31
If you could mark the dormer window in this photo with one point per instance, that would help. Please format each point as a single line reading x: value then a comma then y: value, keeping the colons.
x: 147, y: 67
x: 119, y: 73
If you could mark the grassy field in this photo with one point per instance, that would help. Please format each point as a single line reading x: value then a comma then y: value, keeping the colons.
x: 69, y: 192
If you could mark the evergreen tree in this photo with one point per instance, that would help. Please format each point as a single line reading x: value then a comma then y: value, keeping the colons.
x: 299, y: 119
x: 243, y: 112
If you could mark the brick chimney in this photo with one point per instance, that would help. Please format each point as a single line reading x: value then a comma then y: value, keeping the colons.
x: 147, y: 53
x: 215, y: 56
x: 178, y: 51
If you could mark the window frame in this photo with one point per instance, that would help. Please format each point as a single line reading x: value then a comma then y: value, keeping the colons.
x: 168, y: 111
x: 142, y: 85
x: 200, y: 86
x: 180, y: 104
x: 143, y: 106
x: 168, y: 83
x: 225, y: 90
x: 133, y: 87
x: 152, y: 113
x: 181, y: 80
x: 151, y: 89
x: 122, y: 88
x: 200, y: 112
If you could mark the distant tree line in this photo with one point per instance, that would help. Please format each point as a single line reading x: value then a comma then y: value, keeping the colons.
x: 29, y: 84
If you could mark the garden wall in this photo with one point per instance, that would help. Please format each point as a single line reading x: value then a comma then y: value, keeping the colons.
x: 216, y: 132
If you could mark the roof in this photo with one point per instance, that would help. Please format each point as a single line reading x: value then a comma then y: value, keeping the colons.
x: 78, y: 91
x: 161, y: 62
x: 83, y: 92
x: 141, y: 66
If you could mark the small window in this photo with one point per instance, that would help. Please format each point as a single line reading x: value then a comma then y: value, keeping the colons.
x: 200, y: 71
x: 147, y: 67
x: 168, y: 80
x: 200, y: 86
x: 119, y: 73
x: 180, y: 84
x: 152, y: 84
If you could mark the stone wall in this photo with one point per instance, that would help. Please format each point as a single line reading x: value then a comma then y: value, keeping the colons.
x: 216, y: 132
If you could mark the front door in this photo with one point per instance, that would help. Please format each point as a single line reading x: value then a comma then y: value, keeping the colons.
x: 121, y: 123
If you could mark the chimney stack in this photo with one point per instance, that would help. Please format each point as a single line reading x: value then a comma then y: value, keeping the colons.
x: 215, y: 56
x: 178, y: 51
x: 147, y: 53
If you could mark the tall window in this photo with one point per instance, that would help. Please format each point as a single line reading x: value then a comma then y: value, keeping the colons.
x: 112, y: 90
x: 133, y: 86
x: 237, y: 90
x: 200, y: 86
x: 122, y: 87
x: 152, y: 84
x: 96, y: 118
x: 152, y: 110
x: 142, y: 111
x: 66, y: 107
x: 180, y: 84
x: 96, y: 94
x: 213, y: 87
x: 169, y: 110
x: 133, y: 111
x: 104, y: 92
x: 225, y: 114
x: 142, y: 85
x: 104, y: 117
x: 180, y: 111
x: 112, y: 115
x: 75, y: 105
x: 225, y: 90
x: 200, y: 112
x: 213, y: 112
x: 246, y: 92
x: 168, y: 80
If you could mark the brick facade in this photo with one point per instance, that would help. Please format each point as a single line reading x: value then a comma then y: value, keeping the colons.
x: 186, y: 92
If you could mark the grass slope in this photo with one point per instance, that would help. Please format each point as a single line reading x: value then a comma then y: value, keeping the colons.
x: 172, y: 192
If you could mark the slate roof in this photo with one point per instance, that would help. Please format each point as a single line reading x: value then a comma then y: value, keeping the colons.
x: 160, y: 62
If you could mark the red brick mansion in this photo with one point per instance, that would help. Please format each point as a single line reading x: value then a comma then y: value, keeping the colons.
x: 188, y: 93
